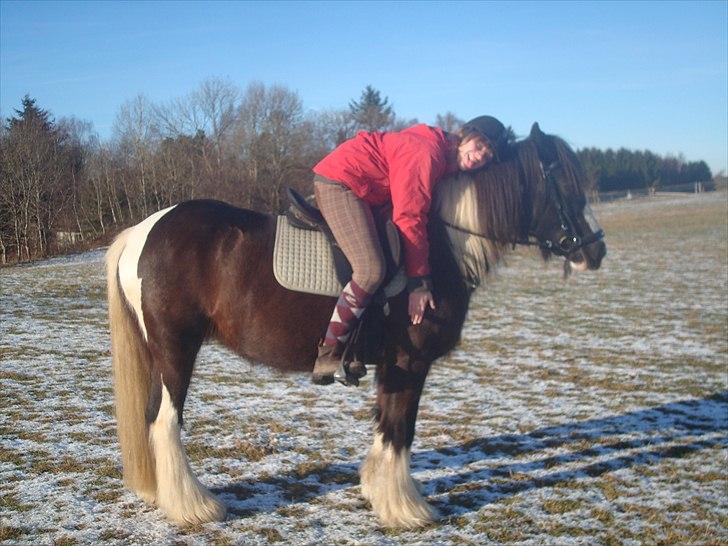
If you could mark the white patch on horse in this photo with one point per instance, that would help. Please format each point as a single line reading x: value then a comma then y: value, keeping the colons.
x: 579, y: 266
x: 387, y: 484
x: 179, y: 493
x: 591, y: 220
x: 131, y: 283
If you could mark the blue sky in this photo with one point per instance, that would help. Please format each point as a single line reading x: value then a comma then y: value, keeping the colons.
x: 642, y: 75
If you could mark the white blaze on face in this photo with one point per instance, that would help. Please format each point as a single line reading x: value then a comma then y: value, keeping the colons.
x: 591, y: 219
x: 594, y: 226
x: 131, y: 283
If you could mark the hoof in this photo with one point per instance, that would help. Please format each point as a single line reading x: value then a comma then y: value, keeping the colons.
x: 204, y: 511
x: 320, y: 379
x: 387, y: 484
x: 150, y: 497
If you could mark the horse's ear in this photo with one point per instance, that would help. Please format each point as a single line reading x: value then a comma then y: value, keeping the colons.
x: 536, y: 132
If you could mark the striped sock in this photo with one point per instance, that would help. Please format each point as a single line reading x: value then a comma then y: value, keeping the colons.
x: 349, y: 308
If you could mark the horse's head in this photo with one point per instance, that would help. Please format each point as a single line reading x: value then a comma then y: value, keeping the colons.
x: 563, y: 223
x: 533, y: 196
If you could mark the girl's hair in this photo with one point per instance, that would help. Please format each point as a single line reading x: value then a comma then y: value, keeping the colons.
x: 467, y: 134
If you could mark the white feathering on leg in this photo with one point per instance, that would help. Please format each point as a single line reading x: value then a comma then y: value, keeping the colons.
x: 179, y: 493
x: 387, y: 484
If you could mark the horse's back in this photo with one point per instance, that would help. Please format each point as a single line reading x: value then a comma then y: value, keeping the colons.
x: 206, y: 268
x: 200, y: 223
x: 175, y: 259
x: 188, y: 246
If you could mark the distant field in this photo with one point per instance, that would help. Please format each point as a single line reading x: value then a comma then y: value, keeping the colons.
x: 592, y: 410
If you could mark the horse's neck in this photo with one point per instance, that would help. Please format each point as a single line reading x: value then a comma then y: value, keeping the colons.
x: 484, y: 213
x: 446, y: 271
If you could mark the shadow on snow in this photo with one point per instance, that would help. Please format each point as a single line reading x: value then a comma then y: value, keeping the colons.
x: 670, y: 431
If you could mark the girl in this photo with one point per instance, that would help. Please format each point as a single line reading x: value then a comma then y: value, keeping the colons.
x: 372, y: 169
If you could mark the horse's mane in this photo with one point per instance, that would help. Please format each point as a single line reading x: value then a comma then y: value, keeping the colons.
x: 573, y: 176
x: 497, y: 203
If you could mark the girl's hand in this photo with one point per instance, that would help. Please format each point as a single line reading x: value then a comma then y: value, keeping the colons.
x: 418, y: 302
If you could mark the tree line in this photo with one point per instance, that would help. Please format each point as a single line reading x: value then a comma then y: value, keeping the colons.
x: 239, y: 145
x: 60, y: 182
x: 610, y: 170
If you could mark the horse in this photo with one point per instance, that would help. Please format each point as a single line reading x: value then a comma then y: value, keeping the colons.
x: 202, y: 270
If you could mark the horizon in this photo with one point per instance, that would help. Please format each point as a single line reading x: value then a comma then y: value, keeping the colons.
x: 641, y: 76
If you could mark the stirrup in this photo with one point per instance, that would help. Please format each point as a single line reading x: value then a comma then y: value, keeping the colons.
x: 344, y: 376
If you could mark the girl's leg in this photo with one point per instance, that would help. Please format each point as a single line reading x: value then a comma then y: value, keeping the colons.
x: 352, y: 224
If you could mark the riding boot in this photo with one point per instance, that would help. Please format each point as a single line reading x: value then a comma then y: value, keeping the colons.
x: 327, y: 363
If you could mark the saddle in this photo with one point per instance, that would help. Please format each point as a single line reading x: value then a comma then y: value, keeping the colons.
x: 305, y: 228
x: 307, y: 258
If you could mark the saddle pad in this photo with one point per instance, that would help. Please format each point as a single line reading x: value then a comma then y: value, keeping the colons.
x: 303, y: 262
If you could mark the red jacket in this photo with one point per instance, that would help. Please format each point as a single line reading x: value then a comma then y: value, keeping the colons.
x: 402, y: 167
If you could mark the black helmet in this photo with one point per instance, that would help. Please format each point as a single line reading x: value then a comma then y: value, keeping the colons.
x: 492, y: 130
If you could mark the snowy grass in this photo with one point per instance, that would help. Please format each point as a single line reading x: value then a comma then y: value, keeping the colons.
x: 588, y: 411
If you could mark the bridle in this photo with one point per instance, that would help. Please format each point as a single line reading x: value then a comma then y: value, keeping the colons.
x: 569, y: 239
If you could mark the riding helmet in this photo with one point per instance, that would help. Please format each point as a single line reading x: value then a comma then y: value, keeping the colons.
x: 492, y: 130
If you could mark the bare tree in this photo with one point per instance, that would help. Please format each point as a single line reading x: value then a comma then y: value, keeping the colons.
x: 273, y: 142
x: 211, y: 110
x: 136, y: 133
x: 332, y: 127
x: 82, y: 142
x: 448, y: 122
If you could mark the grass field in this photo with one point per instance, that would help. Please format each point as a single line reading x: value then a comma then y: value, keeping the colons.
x: 592, y: 410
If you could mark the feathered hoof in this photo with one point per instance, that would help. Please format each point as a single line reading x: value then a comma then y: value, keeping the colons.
x: 203, y: 509
x: 387, y: 484
x: 395, y: 497
x: 150, y: 497
x: 405, y: 513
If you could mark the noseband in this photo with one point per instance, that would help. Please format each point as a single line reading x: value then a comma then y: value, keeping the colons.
x: 570, y: 240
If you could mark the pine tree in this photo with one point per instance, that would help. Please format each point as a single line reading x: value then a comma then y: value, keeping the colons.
x: 31, y: 116
x: 35, y: 164
x: 371, y: 113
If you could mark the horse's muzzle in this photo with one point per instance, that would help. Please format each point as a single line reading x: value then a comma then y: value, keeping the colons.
x: 589, y: 257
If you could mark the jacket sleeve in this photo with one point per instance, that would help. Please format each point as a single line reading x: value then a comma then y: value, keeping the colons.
x: 412, y: 176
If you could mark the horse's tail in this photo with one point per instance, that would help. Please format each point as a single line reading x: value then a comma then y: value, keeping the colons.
x: 132, y: 382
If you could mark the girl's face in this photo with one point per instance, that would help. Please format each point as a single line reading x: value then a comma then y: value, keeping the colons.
x: 473, y: 154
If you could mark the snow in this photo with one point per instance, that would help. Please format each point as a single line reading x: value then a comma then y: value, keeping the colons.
x: 573, y: 412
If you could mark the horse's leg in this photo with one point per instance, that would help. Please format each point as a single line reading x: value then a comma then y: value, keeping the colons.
x: 179, y: 493
x: 385, y: 475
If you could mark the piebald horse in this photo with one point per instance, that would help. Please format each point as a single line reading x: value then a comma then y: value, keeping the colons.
x: 203, y: 270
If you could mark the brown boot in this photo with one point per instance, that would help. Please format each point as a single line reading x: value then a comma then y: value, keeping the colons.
x: 327, y: 362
